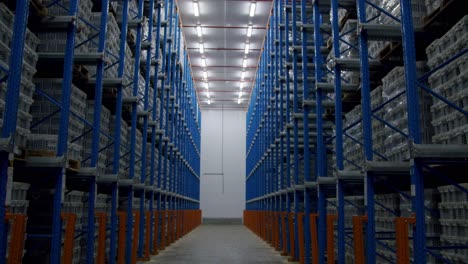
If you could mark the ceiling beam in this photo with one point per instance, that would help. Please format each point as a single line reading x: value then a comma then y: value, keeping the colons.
x: 209, y: 107
x: 251, y: 0
x: 223, y: 66
x: 214, y: 100
x: 224, y: 91
x: 228, y: 49
x: 222, y: 80
x: 223, y: 27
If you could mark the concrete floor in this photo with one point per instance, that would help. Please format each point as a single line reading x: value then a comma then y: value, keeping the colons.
x: 219, y: 244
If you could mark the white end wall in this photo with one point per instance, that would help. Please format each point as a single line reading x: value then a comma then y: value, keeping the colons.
x: 222, y: 186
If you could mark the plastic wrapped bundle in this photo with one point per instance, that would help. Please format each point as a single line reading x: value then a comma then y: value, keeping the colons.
x: 450, y: 82
x: 396, y: 113
x: 112, y: 44
x: 56, y: 41
x: 432, y: 5
x: 393, y: 7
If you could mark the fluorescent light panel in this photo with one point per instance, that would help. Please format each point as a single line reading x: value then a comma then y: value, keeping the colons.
x: 202, y: 48
x: 209, y: 101
x: 205, y: 75
x: 243, y: 75
x: 253, y: 5
x: 242, y: 85
x: 240, y: 94
x: 247, y: 48
x: 244, y: 63
x: 239, y: 101
x: 208, y: 94
x: 199, y: 30
x: 196, y: 10
x: 249, y: 31
x: 203, y: 62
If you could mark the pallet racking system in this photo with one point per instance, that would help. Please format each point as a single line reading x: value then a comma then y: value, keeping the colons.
x: 334, y: 172
x: 160, y: 165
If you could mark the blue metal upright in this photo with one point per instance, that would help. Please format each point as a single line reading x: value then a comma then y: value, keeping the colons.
x: 367, y: 133
x: 297, y: 182
x: 335, y: 30
x: 285, y: 74
x: 11, y: 110
x: 154, y: 123
x: 90, y: 241
x: 118, y: 130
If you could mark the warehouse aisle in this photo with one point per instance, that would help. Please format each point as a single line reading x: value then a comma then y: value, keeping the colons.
x: 217, y: 244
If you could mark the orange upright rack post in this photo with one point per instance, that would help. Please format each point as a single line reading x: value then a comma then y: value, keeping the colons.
x: 154, y: 250
x: 358, y: 225
x: 172, y: 232
x: 300, y: 237
x: 162, y: 245
x: 181, y: 224
x: 275, y: 231
x: 402, y: 241
x: 146, y: 252
x: 284, y: 216
x: 173, y: 225
x: 67, y: 256
x: 122, y: 235
x: 178, y: 221
x: 18, y: 228
x: 292, y: 243
x: 168, y: 228
x: 136, y: 233
x: 101, y: 254
x: 314, y: 238
x: 331, y: 238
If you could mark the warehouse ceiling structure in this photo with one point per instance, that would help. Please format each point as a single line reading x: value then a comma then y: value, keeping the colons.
x: 224, y: 40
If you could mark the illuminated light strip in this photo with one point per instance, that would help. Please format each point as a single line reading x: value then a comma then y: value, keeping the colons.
x: 253, y: 5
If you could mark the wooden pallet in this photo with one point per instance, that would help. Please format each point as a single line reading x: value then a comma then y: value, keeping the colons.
x: 386, y: 52
x: 71, y: 164
x: 436, y: 12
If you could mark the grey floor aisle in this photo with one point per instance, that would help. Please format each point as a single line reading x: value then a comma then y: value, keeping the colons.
x: 219, y: 244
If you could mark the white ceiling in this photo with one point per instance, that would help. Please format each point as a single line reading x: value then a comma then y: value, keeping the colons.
x: 224, y: 26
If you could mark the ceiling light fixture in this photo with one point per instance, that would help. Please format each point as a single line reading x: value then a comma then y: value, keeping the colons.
x: 205, y: 75
x: 203, y: 62
x: 244, y: 63
x: 209, y: 101
x: 242, y: 85
x: 249, y: 31
x: 253, y: 5
x: 196, y: 10
x: 199, y: 30
x: 208, y: 94
x: 239, y: 101
x: 243, y: 75
x: 202, y: 48
x: 247, y: 47
x: 240, y: 94
x: 206, y: 85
